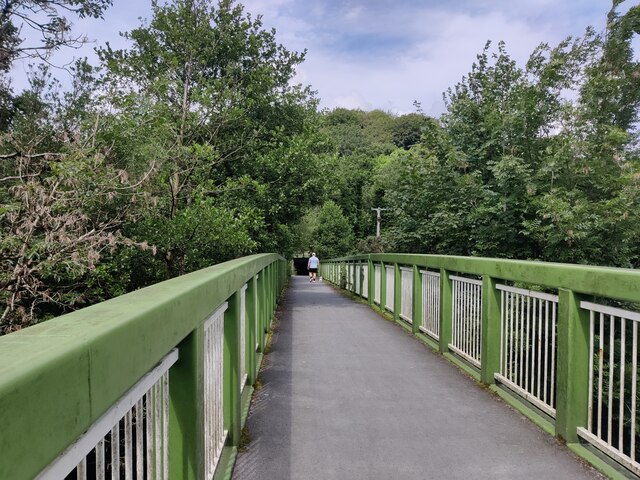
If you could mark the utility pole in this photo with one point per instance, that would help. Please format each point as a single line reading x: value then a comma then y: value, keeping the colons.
x: 378, y: 219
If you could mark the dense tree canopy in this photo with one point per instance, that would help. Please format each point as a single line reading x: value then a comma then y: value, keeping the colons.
x: 194, y: 145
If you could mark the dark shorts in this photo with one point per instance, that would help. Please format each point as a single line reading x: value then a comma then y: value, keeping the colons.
x: 313, y: 270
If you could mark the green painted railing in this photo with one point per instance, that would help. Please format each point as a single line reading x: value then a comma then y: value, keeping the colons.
x: 58, y: 378
x: 513, y: 302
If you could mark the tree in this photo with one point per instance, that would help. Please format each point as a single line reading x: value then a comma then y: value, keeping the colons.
x: 331, y: 234
x: 222, y: 120
x: 61, y: 204
x: 45, y: 20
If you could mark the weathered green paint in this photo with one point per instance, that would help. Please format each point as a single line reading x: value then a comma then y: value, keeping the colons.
x: 572, y: 377
x: 490, y: 348
x: 417, y: 299
x: 187, y: 409
x: 446, y: 311
x: 57, y: 378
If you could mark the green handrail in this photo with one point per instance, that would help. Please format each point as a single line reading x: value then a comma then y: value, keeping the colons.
x: 58, y: 377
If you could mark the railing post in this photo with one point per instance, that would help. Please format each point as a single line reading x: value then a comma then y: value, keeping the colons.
x: 251, y: 330
x: 397, y: 291
x: 491, y: 334
x: 446, y: 314
x: 231, y: 370
x: 260, y: 310
x: 272, y: 294
x: 186, y: 415
x: 417, y: 299
x: 572, y: 378
x: 265, y: 301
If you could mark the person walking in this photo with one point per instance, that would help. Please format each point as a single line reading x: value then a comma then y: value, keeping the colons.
x: 312, y: 266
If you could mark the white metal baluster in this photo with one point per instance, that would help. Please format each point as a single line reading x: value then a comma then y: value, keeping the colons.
x: 525, y: 385
x: 465, y: 315
x: 158, y: 429
x: 546, y: 353
x: 100, y: 461
x: 503, y: 349
x: 518, y: 345
x: 165, y: 425
x: 470, y: 300
x: 554, y: 306
x: 473, y: 334
x: 81, y: 469
x: 610, y: 399
x: 479, y: 324
x: 634, y: 373
x: 472, y: 319
x: 436, y: 304
x: 115, y: 452
x: 509, y: 297
x: 458, y: 314
x: 621, y: 406
x: 511, y: 350
x: 149, y: 431
x: 207, y: 411
x: 601, y: 366
x: 539, y: 345
x: 591, y: 340
x: 128, y: 446
x: 461, y: 315
x: 139, y: 440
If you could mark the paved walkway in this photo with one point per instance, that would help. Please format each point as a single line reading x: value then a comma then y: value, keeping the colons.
x: 349, y: 395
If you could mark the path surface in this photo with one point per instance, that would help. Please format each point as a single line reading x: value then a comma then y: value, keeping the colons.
x: 349, y: 395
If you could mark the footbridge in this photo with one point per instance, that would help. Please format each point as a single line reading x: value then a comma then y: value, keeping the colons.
x: 392, y: 366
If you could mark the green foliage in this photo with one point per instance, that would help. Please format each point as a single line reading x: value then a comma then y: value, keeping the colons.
x: 518, y: 170
x: 328, y: 231
x: 189, y: 148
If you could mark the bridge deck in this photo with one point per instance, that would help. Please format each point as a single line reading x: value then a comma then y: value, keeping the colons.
x: 349, y: 395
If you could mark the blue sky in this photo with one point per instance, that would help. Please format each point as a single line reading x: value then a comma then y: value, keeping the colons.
x: 387, y: 53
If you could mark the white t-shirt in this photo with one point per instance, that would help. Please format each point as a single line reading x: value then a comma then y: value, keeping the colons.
x: 313, y: 262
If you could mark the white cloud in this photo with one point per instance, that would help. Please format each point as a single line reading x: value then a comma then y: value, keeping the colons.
x: 430, y: 44
x: 423, y: 71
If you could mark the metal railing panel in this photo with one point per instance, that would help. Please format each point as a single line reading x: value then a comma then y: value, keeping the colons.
x: 214, y: 432
x: 406, y: 299
x: 466, y: 333
x: 430, y: 303
x: 390, y: 290
x: 365, y: 280
x: 528, y: 324
x: 377, y: 286
x: 142, y: 413
x: 613, y: 407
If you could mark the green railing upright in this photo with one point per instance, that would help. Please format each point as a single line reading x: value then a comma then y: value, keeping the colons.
x: 61, y: 379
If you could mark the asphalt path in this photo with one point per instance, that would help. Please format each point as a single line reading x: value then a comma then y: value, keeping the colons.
x: 347, y: 394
